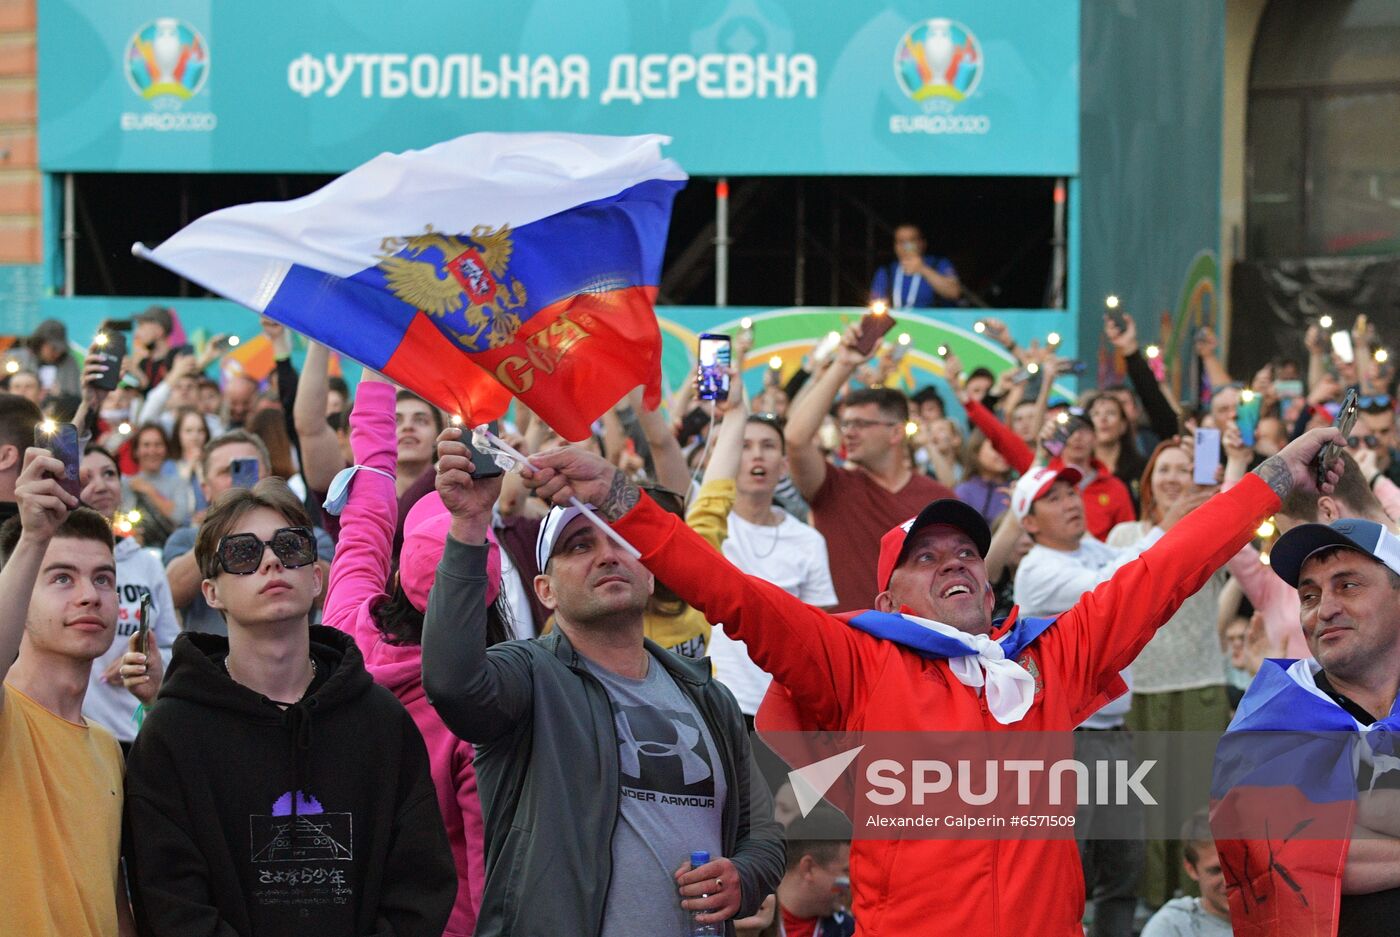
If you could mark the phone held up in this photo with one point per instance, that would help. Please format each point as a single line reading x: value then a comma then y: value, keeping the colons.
x: 108, y: 347
x: 61, y: 440
x: 143, y: 621
x: 1207, y: 456
x: 874, y: 325
x: 712, y: 376
x: 1346, y: 419
x: 243, y: 473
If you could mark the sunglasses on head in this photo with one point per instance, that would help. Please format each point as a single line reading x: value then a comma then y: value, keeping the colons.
x: 241, y: 554
x: 1375, y: 403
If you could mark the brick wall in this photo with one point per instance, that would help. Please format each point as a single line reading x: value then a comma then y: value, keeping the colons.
x: 20, y: 213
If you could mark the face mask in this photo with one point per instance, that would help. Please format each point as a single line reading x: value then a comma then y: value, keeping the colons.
x: 339, y: 492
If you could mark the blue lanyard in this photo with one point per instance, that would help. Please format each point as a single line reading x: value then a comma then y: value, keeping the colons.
x: 909, y: 294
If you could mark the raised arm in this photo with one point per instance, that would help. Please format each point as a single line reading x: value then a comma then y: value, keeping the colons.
x: 43, y: 507
x: 320, y: 451
x: 364, y: 552
x: 806, y: 413
x: 481, y: 695
x: 1012, y: 447
x: 666, y: 455
x: 1161, y: 415
x: 1108, y: 627
x: 817, y: 657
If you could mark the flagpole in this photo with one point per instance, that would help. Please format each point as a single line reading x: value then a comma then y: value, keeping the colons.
x: 587, y: 511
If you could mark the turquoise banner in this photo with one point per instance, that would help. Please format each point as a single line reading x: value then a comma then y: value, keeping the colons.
x: 745, y: 87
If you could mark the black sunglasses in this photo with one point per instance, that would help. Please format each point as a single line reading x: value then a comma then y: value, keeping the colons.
x: 241, y: 554
x: 1370, y: 441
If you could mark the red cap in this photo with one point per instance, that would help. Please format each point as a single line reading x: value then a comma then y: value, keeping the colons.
x: 948, y: 511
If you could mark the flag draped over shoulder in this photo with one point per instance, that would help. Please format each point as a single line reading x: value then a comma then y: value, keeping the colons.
x: 1284, y: 800
x: 487, y: 266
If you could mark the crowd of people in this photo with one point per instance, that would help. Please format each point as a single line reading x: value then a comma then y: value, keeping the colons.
x: 297, y: 660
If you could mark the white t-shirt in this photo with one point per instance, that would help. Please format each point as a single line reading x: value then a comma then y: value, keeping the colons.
x: 138, y: 571
x: 1049, y: 582
x: 1185, y: 652
x: 790, y: 555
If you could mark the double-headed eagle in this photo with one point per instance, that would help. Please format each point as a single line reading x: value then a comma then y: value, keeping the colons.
x: 469, y: 276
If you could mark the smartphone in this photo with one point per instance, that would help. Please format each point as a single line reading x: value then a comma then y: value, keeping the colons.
x: 1341, y: 347
x: 1207, y: 456
x: 1115, y: 315
x: 1247, y: 418
x: 1073, y: 367
x: 143, y: 621
x: 826, y: 346
x: 1346, y: 419
x: 712, y: 377
x: 1286, y: 389
x: 109, y: 347
x: 1056, y: 443
x: 873, y: 327
x: 243, y: 472
x: 117, y: 325
x: 483, y: 465
x: 61, y: 439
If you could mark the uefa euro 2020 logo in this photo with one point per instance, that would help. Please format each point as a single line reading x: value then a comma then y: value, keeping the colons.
x: 938, y: 61
x: 167, y: 57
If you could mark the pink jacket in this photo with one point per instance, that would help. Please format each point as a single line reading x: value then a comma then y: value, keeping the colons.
x: 357, y: 581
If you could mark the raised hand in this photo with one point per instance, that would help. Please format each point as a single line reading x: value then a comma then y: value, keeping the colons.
x: 1124, y: 340
x: 43, y: 504
x: 569, y: 472
x: 468, y: 499
x: 1294, y: 466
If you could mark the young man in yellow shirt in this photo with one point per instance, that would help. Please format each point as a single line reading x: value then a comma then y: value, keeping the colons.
x: 62, y: 776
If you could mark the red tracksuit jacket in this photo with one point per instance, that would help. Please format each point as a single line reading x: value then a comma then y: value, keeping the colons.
x: 843, y: 678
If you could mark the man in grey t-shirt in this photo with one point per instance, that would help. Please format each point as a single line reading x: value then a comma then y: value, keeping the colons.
x: 603, y: 760
x: 673, y: 789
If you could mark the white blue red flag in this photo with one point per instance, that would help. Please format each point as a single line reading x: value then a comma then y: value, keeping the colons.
x: 487, y: 266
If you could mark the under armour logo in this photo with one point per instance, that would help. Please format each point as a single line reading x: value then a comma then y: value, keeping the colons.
x: 694, y: 768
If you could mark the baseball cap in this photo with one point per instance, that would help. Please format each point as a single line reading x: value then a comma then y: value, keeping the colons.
x: 1035, y: 483
x: 425, y: 531
x: 948, y: 511
x: 551, y: 528
x: 1293, y: 548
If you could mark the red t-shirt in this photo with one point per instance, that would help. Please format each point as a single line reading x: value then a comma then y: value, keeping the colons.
x: 853, y: 511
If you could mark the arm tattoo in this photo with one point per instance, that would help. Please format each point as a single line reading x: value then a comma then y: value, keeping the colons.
x: 1276, y: 475
x: 622, y: 497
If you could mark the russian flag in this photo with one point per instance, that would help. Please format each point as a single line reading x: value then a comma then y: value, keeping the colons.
x: 1284, y: 801
x: 487, y: 266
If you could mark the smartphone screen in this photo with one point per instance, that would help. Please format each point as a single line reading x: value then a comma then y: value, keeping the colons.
x: 712, y: 378
x: 1247, y: 418
x: 1341, y: 347
x: 61, y: 439
x: 873, y: 328
x: 1207, y: 456
x: 244, y: 472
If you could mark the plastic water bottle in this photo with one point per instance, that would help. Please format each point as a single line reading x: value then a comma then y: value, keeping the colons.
x: 697, y: 929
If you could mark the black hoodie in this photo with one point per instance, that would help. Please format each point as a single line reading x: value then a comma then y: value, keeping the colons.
x: 244, y: 818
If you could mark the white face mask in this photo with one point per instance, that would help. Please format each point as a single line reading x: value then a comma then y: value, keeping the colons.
x: 339, y: 491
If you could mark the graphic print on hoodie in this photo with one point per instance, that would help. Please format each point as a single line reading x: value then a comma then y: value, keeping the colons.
x: 317, y: 819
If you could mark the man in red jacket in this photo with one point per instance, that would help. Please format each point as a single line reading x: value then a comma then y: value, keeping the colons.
x: 875, y: 672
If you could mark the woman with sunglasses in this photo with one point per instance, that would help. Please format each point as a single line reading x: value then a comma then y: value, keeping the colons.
x: 290, y: 792
x: 383, y: 611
